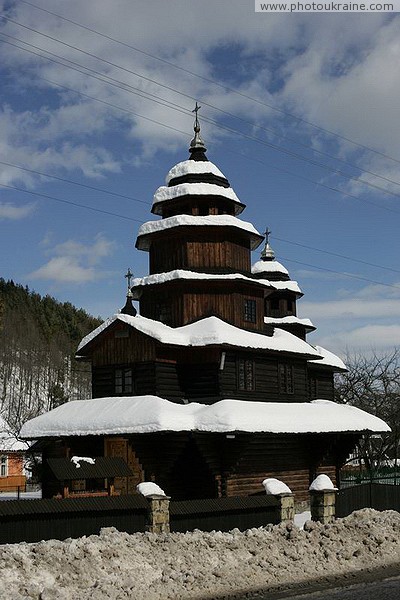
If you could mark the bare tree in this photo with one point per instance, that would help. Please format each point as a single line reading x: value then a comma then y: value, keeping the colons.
x: 372, y: 383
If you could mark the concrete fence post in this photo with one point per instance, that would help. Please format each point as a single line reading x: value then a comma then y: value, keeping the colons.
x: 285, y: 507
x: 323, y: 505
x: 158, y: 514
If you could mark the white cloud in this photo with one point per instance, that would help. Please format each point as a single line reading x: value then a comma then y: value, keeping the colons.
x: 367, y: 338
x: 12, y: 212
x: 74, y: 262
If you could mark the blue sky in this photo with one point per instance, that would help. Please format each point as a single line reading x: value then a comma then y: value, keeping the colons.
x: 271, y: 87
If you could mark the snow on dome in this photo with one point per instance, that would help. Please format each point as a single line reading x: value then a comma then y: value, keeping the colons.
x: 148, y: 488
x: 329, y: 359
x: 209, y: 331
x: 149, y: 414
x: 199, y: 221
x: 164, y: 193
x: 274, y: 486
x: 78, y: 459
x: 196, y: 167
x: 268, y: 266
x: 322, y: 482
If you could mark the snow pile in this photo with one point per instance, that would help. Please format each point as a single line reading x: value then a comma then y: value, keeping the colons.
x: 274, y: 486
x: 78, y: 459
x: 148, y: 488
x: 203, y: 565
x: 322, y: 482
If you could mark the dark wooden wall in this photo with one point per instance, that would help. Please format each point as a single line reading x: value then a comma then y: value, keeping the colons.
x: 222, y: 251
x: 266, y: 379
x: 207, y: 298
x: 109, y: 349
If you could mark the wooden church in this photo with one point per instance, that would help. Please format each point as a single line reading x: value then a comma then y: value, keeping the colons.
x: 213, y: 386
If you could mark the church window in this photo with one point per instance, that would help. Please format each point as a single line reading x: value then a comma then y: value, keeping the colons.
x: 286, y: 379
x: 3, y: 466
x: 163, y: 312
x: 245, y: 375
x: 123, y: 381
x: 290, y: 305
x: 250, y: 311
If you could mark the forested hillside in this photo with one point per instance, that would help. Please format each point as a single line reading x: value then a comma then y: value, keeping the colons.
x: 38, y: 340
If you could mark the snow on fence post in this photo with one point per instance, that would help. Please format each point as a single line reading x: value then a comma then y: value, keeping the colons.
x: 323, y: 499
x: 285, y: 499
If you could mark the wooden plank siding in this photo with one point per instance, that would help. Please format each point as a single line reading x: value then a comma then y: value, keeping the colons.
x: 176, y: 304
x: 109, y: 349
x: 193, y: 248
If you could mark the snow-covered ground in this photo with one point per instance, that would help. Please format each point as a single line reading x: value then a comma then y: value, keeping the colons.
x: 198, y: 565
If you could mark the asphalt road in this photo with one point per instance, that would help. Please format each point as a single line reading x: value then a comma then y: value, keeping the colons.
x: 388, y: 589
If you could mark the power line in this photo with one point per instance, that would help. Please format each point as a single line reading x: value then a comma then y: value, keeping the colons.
x: 397, y: 287
x: 63, y: 179
x: 212, y: 81
x: 109, y: 213
x: 174, y: 106
x: 77, y: 204
x: 363, y: 262
x: 269, y: 164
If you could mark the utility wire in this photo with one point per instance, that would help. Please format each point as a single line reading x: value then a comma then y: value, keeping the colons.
x: 357, y: 260
x: 64, y: 180
x: 350, y: 275
x: 212, y: 81
x: 76, y: 204
x: 157, y: 99
x: 230, y: 130
x: 269, y: 164
x: 109, y: 213
x: 174, y: 106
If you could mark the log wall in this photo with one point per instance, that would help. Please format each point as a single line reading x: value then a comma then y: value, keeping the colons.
x: 221, y: 251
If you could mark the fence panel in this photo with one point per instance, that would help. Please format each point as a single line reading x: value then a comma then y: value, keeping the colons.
x: 35, y: 520
x: 224, y: 514
x: 368, y: 495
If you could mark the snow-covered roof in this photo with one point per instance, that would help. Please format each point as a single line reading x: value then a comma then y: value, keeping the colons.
x: 195, y: 167
x: 158, y: 278
x: 8, y: 441
x: 151, y: 414
x: 164, y: 193
x: 198, y: 221
x: 268, y: 266
x: 329, y: 359
x: 207, y: 332
x: 291, y: 320
x: 177, y: 274
x: 291, y: 286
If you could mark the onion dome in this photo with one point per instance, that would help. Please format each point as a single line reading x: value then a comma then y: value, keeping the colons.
x: 196, y: 186
x: 268, y: 267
